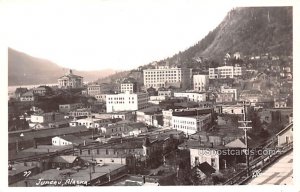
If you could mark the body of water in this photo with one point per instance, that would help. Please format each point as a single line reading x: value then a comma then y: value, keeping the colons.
x: 12, y: 89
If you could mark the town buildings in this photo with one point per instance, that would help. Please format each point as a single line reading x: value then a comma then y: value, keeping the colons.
x: 46, y: 117
x: 70, y: 81
x: 129, y: 85
x: 200, y: 82
x: 126, y: 102
x: 98, y: 89
x: 28, y: 96
x: 164, y: 75
x: 205, y: 154
x: 191, y: 124
x: 66, y: 108
x: 192, y: 96
x: 225, y: 72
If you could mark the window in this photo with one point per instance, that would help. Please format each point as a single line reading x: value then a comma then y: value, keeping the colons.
x: 213, y: 162
x: 106, y: 152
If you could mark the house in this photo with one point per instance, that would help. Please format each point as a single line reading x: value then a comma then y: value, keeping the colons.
x: 42, y: 90
x: 28, y: 96
x: 19, y: 91
x: 210, y: 155
x: 285, y: 136
x: 69, y: 140
x: 204, y: 170
x: 65, y: 162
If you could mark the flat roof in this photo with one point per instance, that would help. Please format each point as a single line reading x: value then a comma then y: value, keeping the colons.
x: 44, y: 148
x: 46, y: 133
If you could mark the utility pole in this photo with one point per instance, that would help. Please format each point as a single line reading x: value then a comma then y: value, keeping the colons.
x: 245, y: 128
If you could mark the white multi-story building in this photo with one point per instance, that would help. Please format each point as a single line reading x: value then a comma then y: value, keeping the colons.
x: 191, y: 124
x: 126, y: 102
x: 192, y: 96
x: 225, y: 72
x: 200, y: 82
x: 162, y: 76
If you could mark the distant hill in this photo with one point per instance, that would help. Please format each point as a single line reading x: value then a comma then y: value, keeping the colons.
x: 248, y: 30
x: 27, y: 70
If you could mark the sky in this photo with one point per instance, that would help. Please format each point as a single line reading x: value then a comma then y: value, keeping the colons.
x: 116, y: 34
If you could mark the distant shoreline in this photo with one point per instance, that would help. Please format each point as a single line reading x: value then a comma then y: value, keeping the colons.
x: 14, y: 87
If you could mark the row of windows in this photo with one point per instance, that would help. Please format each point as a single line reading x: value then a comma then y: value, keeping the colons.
x: 184, y: 127
x: 120, y: 98
x: 160, y: 72
x: 94, y: 88
x: 120, y: 102
x: 184, y: 122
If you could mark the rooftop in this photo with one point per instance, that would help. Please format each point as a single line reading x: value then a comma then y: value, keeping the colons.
x: 46, y: 133
x: 64, y: 159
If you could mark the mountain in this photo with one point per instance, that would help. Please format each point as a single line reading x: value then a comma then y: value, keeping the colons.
x: 248, y: 30
x: 27, y: 70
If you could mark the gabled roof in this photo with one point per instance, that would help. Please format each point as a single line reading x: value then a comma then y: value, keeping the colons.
x: 28, y: 93
x: 75, y: 140
x: 206, y: 168
x: 64, y: 159
x: 20, y: 90
x: 240, y: 143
